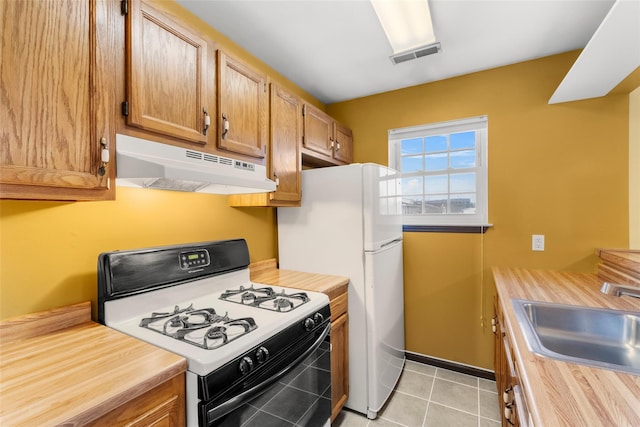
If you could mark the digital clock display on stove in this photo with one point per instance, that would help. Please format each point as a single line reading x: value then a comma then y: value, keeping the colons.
x: 196, y: 258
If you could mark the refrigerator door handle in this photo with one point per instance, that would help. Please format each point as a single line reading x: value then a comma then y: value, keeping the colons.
x: 391, y: 242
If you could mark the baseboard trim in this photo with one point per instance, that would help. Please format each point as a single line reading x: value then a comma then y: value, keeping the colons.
x: 453, y: 366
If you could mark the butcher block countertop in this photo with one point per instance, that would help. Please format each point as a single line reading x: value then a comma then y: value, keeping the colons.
x: 59, y: 367
x: 267, y: 272
x: 562, y: 393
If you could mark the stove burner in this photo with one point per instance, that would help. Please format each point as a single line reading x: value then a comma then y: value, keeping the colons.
x: 200, y: 327
x: 158, y: 316
x: 265, y: 298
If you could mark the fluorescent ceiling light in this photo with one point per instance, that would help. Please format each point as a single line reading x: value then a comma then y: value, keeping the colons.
x: 407, y: 23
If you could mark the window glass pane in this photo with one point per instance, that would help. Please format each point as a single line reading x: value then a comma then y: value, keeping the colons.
x: 435, y: 162
x: 435, y: 204
x: 463, y: 159
x: 412, y: 205
x: 462, y: 140
x: 463, y: 182
x: 411, y: 146
x: 463, y: 203
x: 435, y: 143
x: 412, y: 185
x: 411, y: 164
x: 436, y: 184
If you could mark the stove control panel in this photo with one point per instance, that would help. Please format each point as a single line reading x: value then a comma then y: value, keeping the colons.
x: 195, y: 258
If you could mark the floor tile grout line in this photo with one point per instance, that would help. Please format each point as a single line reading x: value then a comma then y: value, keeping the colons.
x: 478, y: 394
x: 456, y: 382
x: 433, y: 382
x: 456, y: 409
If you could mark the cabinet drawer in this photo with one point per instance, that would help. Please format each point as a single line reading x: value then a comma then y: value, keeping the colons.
x: 338, y: 306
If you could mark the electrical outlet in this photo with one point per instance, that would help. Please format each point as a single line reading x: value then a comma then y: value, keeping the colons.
x: 537, y: 242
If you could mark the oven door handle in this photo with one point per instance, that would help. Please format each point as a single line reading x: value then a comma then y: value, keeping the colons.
x: 236, y: 401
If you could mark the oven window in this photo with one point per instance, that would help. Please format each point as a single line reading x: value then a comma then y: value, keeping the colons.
x: 301, y: 398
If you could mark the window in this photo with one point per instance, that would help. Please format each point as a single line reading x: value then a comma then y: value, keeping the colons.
x: 444, y: 172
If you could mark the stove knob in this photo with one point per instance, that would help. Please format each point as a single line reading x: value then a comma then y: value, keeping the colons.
x: 318, y: 317
x: 262, y: 354
x: 309, y: 324
x: 246, y: 365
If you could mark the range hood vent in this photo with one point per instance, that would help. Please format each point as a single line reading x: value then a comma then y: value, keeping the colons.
x: 146, y: 164
x: 416, y: 53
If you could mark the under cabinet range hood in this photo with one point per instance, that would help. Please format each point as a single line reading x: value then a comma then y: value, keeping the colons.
x: 146, y: 164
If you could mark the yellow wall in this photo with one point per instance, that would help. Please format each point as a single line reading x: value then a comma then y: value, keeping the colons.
x: 634, y: 169
x: 558, y: 170
x: 49, y: 250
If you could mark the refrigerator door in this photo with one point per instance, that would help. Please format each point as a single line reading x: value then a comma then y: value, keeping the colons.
x: 385, y: 323
x: 382, y: 206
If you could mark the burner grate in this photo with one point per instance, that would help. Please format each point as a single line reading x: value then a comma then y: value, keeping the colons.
x: 203, y: 328
x: 265, y: 298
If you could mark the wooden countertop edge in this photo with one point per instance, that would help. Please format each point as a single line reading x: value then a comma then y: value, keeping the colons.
x: 267, y: 272
x: 561, y: 393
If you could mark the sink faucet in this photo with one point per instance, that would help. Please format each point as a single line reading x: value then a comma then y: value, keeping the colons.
x: 618, y: 290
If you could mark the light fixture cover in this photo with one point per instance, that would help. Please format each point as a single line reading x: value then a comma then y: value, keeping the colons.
x: 407, y: 23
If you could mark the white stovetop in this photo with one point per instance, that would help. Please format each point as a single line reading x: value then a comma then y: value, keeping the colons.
x: 125, y: 315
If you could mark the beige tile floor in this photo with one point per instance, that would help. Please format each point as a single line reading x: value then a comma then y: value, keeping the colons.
x: 427, y: 396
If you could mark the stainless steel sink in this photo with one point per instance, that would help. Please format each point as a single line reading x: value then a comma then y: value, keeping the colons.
x: 601, y: 338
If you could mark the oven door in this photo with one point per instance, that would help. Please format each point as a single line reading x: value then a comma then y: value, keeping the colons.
x: 295, y: 391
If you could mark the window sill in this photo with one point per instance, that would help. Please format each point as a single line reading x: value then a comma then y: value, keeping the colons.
x: 474, y: 229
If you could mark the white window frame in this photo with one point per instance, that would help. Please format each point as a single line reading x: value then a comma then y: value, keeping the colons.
x: 480, y: 125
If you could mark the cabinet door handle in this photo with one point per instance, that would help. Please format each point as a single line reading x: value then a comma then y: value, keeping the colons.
x: 276, y: 179
x: 337, y: 146
x: 507, y: 414
x: 225, y: 126
x: 207, y: 121
x: 505, y: 396
x: 104, y: 157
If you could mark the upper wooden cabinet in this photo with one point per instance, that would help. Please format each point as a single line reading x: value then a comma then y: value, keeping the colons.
x: 284, y: 161
x: 168, y: 76
x: 325, y: 142
x: 242, y: 107
x: 343, y: 147
x: 318, y: 131
x: 56, y: 106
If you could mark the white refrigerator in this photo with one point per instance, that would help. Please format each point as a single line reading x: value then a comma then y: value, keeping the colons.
x: 350, y: 224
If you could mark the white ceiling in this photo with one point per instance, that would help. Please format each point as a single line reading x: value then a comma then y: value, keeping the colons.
x: 336, y: 50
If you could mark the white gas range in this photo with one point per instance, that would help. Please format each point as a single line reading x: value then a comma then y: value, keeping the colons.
x: 256, y: 353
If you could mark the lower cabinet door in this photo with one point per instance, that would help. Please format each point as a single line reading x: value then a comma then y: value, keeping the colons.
x: 339, y: 364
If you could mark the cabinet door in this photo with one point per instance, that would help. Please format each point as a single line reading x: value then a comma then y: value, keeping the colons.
x: 339, y: 364
x: 164, y: 405
x: 242, y: 108
x: 343, y: 147
x: 318, y: 131
x: 166, y: 75
x: 56, y: 106
x: 284, y: 149
x: 499, y: 358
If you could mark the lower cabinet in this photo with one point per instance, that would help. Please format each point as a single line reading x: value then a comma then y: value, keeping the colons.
x: 510, y: 393
x: 163, y: 405
x: 339, y: 354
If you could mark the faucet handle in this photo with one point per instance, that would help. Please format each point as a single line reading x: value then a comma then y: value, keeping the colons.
x: 618, y: 290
